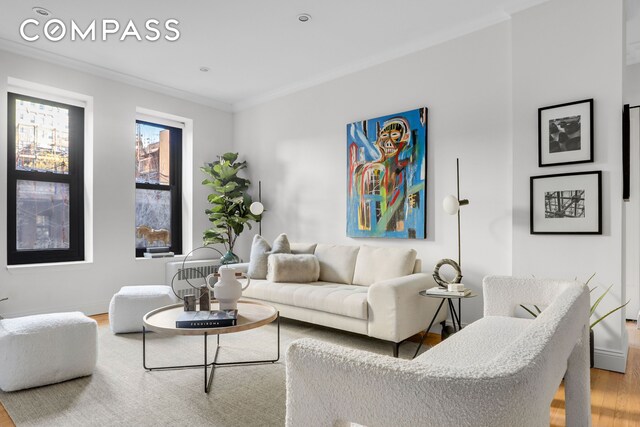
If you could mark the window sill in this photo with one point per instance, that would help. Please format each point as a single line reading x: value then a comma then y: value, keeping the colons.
x: 173, y: 258
x: 50, y: 266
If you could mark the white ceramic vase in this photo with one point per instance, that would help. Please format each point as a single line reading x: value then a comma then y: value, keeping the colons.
x: 228, y: 289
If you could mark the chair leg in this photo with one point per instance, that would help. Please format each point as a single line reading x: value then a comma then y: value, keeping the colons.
x: 577, y: 384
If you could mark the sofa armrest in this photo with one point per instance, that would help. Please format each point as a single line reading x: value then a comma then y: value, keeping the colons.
x: 503, y: 294
x: 397, y: 311
x: 241, y: 267
x: 330, y: 385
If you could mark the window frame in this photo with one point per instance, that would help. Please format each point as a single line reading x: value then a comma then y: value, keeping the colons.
x: 175, y: 183
x: 74, y: 178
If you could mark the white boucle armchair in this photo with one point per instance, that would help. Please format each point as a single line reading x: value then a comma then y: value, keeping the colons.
x: 498, y: 371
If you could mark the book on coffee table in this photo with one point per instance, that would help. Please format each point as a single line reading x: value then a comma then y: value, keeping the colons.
x: 207, y: 319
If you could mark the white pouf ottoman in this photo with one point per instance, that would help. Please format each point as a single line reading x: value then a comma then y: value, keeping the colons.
x: 131, y: 303
x: 46, y: 349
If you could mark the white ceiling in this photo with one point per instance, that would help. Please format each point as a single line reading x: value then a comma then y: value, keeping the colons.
x: 255, y: 49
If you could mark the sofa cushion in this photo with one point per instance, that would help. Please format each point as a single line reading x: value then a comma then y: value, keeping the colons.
x: 303, y: 248
x: 345, y: 300
x: 260, y: 251
x: 375, y: 264
x: 337, y: 262
x: 478, y: 343
x: 303, y: 268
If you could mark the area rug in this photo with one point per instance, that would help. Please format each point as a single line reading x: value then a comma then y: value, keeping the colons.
x: 122, y: 393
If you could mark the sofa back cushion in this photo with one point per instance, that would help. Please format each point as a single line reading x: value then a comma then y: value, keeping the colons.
x: 417, y: 267
x: 375, y: 264
x: 260, y: 251
x: 303, y: 248
x: 337, y: 262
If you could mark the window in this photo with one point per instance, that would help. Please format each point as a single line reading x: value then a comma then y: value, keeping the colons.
x: 158, y: 187
x: 45, y: 208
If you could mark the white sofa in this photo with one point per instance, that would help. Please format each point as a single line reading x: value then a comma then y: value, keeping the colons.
x: 498, y: 371
x: 363, y: 289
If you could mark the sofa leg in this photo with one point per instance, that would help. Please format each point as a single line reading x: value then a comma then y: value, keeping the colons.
x: 396, y: 347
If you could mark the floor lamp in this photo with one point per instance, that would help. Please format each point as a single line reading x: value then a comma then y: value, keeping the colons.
x: 451, y: 205
x: 257, y: 208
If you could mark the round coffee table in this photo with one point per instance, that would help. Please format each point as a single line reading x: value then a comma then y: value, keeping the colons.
x: 251, y: 315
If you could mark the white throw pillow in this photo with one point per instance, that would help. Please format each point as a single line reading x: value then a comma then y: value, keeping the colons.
x: 337, y: 262
x: 303, y: 248
x: 303, y: 268
x: 260, y: 251
x: 375, y: 264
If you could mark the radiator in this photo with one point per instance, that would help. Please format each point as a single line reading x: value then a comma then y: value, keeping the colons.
x: 194, y: 272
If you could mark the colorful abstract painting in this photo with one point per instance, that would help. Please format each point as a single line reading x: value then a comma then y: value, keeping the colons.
x: 386, y: 162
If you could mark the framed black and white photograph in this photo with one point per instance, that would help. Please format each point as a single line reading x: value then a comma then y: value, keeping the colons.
x: 565, y: 133
x: 568, y: 203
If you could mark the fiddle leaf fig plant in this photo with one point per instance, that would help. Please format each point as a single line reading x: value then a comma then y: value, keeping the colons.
x: 229, y: 212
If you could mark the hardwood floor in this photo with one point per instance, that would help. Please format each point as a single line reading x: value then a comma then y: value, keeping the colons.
x: 615, y: 398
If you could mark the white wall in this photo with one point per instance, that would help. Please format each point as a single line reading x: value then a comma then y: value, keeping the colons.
x: 568, y: 50
x: 631, y: 92
x: 297, y: 146
x: 89, y: 287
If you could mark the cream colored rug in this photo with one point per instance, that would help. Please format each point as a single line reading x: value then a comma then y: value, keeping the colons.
x: 122, y: 393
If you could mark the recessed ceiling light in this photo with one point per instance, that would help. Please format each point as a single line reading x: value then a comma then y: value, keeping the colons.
x: 41, y: 11
x: 304, y: 17
x: 204, y: 69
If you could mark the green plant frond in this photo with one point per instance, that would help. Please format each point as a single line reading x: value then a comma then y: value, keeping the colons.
x: 538, y: 309
x: 589, y: 279
x: 606, y: 315
x: 238, y: 200
x: 229, y: 157
x: 595, y: 304
x: 230, y: 186
x: 529, y: 311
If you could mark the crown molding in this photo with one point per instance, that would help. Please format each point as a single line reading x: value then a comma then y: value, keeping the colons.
x: 525, y: 4
x: 43, y: 55
x: 389, y: 55
x: 386, y: 56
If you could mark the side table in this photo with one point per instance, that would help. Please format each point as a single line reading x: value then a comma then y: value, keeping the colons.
x: 456, y: 316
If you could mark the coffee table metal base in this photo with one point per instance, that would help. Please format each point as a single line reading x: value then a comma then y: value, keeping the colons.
x: 208, y: 376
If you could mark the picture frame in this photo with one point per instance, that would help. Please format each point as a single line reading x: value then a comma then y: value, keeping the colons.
x: 565, y: 133
x: 626, y: 152
x: 566, y: 203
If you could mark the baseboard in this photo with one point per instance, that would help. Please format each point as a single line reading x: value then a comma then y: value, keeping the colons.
x: 610, y: 360
x: 89, y: 309
x: 450, y: 323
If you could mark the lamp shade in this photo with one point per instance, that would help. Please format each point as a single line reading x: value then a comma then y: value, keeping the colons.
x: 451, y: 205
x: 256, y: 208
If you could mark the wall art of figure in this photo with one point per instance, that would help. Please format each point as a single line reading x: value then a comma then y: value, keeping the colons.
x: 386, y: 169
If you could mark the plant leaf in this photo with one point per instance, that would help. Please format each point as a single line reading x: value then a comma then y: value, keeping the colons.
x: 588, y: 280
x: 529, y: 311
x: 595, y: 304
x: 606, y: 315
